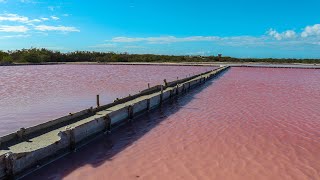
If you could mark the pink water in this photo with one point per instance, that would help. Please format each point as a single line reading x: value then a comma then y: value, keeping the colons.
x: 30, y: 95
x: 251, y: 123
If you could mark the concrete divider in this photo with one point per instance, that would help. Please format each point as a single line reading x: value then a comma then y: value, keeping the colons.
x: 119, y: 115
x: 140, y: 106
x: 154, y: 101
x: 2, y: 166
x: 64, y: 134
x: 88, y: 129
x: 17, y: 163
x: 23, y: 132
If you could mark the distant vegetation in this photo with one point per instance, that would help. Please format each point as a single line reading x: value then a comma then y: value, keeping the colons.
x: 43, y: 56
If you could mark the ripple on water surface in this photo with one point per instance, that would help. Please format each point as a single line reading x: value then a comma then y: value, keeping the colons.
x: 251, y: 123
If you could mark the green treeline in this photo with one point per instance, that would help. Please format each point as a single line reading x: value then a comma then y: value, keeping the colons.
x: 44, y: 55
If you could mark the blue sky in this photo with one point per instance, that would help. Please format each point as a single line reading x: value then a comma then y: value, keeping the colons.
x: 251, y: 28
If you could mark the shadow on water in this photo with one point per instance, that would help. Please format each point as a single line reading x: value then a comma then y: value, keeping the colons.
x: 105, y: 147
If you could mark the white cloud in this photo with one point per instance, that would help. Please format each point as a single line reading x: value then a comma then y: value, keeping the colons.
x: 27, y: 1
x: 13, y: 18
x: 54, y: 17
x: 20, y: 19
x: 31, y: 24
x: 15, y: 36
x: 311, y: 31
x: 4, y: 28
x: 308, y: 31
x: 107, y: 45
x: 133, y: 47
x: 286, y: 38
x: 35, y: 21
x: 164, y: 39
x: 56, y: 28
x: 44, y: 19
x: 3, y: 1
x: 289, y: 34
x: 233, y: 40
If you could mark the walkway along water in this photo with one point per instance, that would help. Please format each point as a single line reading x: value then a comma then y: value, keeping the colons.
x: 30, y: 148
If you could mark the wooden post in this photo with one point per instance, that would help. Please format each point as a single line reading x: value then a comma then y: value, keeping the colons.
x: 98, y: 100
x: 165, y: 82
x: 20, y: 133
x: 161, y: 95
x: 148, y: 85
x: 130, y: 112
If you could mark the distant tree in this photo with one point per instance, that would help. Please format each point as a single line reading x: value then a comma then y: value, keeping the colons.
x: 35, y: 55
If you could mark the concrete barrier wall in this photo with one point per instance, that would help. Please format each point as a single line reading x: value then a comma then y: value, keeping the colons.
x: 2, y: 167
x: 140, y: 106
x: 154, y: 101
x: 27, y: 131
x: 119, y: 115
x: 88, y: 129
x: 80, y: 131
x: 8, y: 137
x: 166, y: 95
x: 56, y: 121
x: 23, y: 161
x: 151, y: 90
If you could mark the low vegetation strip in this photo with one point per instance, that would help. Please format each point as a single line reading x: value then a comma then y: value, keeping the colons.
x: 39, y: 56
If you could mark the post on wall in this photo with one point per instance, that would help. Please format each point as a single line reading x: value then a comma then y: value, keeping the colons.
x: 98, y: 100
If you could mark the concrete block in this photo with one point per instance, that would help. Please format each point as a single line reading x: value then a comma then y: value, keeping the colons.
x: 48, y: 124
x: 154, y: 101
x: 89, y: 129
x: 180, y: 89
x: 193, y: 83
x: 8, y: 137
x: 151, y: 90
x: 119, y: 115
x: 140, y: 106
x: 2, y: 167
x: 166, y: 95
x: 25, y: 160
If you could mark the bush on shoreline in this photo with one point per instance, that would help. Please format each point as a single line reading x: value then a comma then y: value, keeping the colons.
x: 35, y: 55
x: 5, y: 58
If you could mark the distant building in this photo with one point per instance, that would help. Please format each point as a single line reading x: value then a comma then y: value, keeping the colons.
x: 219, y: 57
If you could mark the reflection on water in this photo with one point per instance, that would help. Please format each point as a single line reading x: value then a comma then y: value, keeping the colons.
x: 30, y: 95
x: 251, y: 123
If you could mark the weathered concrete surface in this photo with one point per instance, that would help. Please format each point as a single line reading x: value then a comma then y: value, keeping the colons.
x: 33, y: 147
x: 2, y: 166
